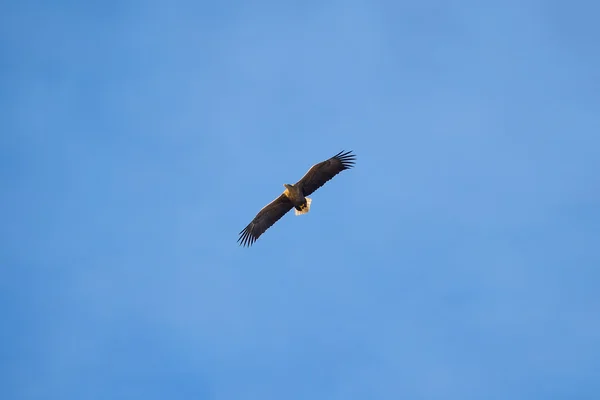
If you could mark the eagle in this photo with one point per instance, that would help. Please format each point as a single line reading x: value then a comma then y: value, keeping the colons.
x: 294, y: 196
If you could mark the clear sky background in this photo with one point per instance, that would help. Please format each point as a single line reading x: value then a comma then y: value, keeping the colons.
x: 458, y: 260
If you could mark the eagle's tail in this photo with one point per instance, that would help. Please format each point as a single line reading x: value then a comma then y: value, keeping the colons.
x: 305, y: 208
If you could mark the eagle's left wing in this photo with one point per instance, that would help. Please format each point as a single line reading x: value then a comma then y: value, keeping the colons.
x: 265, y: 218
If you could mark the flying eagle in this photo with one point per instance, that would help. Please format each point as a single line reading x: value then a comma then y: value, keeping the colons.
x: 294, y: 196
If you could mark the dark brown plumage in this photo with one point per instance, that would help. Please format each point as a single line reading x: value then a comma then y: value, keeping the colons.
x: 294, y: 196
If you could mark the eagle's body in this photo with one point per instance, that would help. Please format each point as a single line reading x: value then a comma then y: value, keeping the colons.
x: 294, y: 196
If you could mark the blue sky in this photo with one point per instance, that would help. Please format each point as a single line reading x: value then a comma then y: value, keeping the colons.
x: 458, y: 260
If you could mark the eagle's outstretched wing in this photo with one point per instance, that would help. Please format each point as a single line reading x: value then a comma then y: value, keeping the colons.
x: 322, y: 172
x: 265, y: 218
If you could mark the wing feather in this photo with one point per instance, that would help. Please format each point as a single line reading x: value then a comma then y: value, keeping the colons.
x: 265, y: 218
x: 322, y: 172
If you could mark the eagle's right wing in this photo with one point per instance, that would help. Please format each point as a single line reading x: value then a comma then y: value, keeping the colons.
x: 324, y: 171
x: 265, y: 218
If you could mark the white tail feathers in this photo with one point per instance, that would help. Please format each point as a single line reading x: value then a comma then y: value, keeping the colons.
x: 305, y: 209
